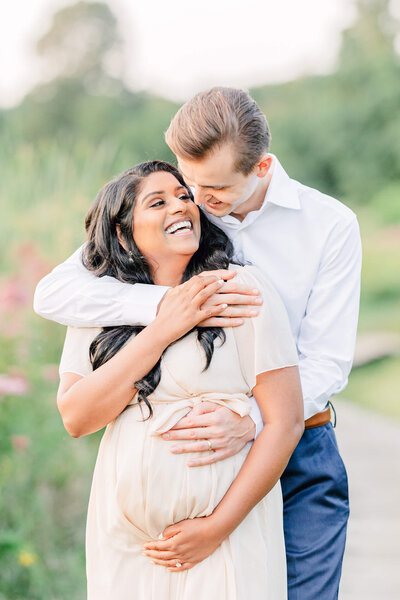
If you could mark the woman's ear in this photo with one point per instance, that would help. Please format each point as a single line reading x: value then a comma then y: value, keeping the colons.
x: 120, y: 238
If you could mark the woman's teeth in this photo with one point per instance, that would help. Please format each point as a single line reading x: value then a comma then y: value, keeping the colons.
x: 184, y: 225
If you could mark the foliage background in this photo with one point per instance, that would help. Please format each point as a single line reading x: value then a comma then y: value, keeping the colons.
x: 338, y: 132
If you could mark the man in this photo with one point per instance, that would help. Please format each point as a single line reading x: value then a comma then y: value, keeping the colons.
x: 308, y: 244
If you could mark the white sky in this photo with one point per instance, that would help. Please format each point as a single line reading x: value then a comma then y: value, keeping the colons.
x: 178, y: 47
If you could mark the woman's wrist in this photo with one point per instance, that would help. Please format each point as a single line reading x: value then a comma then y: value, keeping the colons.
x: 219, y: 526
x: 159, y: 333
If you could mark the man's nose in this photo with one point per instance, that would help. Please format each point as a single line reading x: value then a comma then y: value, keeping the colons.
x: 199, y: 195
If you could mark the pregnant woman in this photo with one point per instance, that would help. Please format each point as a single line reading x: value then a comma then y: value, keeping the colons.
x: 226, y: 540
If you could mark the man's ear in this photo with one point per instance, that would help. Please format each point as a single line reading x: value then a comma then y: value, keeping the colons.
x: 263, y: 165
x: 120, y: 238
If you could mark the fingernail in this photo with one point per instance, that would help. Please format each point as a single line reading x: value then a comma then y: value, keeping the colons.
x: 255, y: 291
x: 224, y: 306
x: 190, y: 463
x: 174, y: 450
x: 253, y: 313
x: 257, y: 300
x: 166, y: 436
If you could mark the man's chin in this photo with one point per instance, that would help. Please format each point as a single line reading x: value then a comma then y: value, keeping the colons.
x: 218, y: 210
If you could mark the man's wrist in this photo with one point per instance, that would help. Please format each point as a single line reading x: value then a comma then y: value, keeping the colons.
x: 251, y: 429
x: 255, y: 415
x: 161, y: 300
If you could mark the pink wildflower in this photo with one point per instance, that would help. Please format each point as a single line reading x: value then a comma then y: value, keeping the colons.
x: 13, y: 385
x: 20, y: 442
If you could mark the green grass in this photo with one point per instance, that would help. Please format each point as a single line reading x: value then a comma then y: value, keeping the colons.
x: 376, y: 386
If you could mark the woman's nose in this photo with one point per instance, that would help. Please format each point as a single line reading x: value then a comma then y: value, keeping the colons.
x: 177, y: 205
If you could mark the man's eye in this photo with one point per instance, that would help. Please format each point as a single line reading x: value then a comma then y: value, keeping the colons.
x: 157, y: 203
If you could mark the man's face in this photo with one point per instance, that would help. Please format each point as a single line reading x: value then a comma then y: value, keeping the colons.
x: 216, y: 183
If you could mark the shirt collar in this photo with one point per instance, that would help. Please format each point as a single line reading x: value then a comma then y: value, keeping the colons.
x: 281, y: 190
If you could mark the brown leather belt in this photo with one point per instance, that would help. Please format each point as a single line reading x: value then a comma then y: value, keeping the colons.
x: 319, y: 419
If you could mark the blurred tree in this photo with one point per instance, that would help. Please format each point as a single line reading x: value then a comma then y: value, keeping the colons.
x: 83, y: 95
x: 83, y: 44
x: 82, y: 57
x: 341, y: 132
x: 368, y: 80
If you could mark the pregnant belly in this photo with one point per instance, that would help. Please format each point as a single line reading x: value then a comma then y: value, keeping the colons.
x: 154, y: 488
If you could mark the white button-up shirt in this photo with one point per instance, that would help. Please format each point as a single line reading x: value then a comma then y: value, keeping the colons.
x: 307, y: 243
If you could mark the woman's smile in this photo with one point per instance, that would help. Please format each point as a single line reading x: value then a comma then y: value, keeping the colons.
x: 166, y: 221
x: 180, y: 227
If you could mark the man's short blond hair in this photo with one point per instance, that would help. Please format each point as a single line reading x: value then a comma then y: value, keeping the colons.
x: 215, y: 117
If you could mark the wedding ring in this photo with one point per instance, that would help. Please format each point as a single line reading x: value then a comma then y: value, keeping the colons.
x: 210, y: 446
x: 178, y: 565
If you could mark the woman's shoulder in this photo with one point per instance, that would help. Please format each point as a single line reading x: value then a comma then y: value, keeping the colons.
x: 81, y: 335
x: 264, y: 342
x: 251, y: 275
x: 75, y: 354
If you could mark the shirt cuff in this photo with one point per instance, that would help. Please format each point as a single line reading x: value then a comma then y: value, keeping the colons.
x: 142, y: 309
x: 255, y: 414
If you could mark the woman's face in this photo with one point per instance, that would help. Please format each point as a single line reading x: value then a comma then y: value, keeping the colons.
x: 166, y: 222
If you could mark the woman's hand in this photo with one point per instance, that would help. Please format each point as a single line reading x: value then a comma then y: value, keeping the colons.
x: 181, y: 308
x: 186, y: 543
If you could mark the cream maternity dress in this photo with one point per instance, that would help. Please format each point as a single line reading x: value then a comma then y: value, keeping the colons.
x: 139, y: 487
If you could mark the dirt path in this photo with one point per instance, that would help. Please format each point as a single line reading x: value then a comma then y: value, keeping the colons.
x: 370, y: 447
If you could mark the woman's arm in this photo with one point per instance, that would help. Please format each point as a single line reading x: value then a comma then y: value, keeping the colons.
x: 278, y: 393
x: 89, y: 403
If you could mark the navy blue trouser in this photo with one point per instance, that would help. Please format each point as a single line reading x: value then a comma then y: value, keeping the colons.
x: 316, y: 510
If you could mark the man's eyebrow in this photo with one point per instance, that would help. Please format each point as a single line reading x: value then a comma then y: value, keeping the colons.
x: 214, y: 187
x: 160, y: 192
x: 209, y: 187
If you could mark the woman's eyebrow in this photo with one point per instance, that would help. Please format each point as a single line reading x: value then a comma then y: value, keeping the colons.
x: 160, y: 192
x: 152, y: 194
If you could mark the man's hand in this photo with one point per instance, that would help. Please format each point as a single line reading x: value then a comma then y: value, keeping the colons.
x: 242, y: 301
x: 225, y: 429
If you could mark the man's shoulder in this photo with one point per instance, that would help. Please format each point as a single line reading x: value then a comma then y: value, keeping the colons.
x: 322, y: 205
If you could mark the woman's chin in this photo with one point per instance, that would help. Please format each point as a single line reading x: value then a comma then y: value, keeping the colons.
x: 183, y: 241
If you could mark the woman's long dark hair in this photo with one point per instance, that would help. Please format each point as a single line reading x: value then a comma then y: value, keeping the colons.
x: 104, y: 256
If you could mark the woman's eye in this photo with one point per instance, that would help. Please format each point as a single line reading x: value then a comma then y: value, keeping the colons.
x: 185, y: 197
x: 157, y: 203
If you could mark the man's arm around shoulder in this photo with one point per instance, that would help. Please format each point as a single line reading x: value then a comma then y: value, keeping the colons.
x: 72, y: 295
